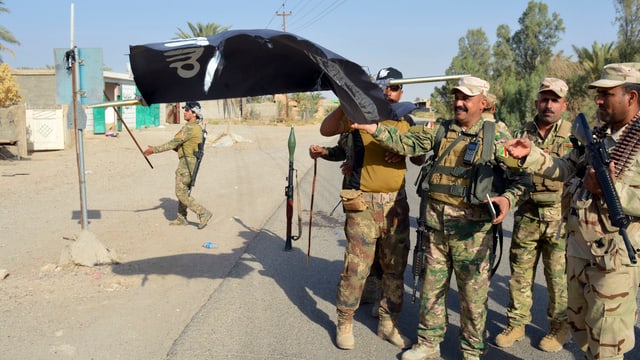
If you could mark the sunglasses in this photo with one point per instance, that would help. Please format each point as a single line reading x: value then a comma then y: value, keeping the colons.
x: 394, y: 88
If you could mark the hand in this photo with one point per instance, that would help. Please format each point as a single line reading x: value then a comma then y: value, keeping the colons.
x: 392, y: 157
x: 148, y: 151
x: 518, y: 148
x: 316, y: 151
x: 590, y: 180
x: 370, y: 128
x: 347, y: 168
x: 502, y: 210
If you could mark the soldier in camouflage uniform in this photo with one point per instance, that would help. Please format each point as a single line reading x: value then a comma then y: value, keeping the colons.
x: 538, y: 228
x: 602, y: 280
x: 460, y: 225
x: 344, y: 152
x: 185, y: 143
x: 377, y: 222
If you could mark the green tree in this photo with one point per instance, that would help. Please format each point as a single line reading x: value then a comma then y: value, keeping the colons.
x: 473, y: 58
x: 307, y: 104
x: 594, y: 59
x: 5, y: 35
x: 503, y: 65
x: 9, y: 90
x: 201, y: 30
x: 628, y: 19
x: 533, y: 43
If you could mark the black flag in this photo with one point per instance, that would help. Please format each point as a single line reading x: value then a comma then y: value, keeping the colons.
x: 241, y: 63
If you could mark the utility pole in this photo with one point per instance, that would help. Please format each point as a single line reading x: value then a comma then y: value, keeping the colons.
x: 284, y: 28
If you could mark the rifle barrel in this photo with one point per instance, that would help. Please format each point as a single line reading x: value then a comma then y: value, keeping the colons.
x: 425, y: 79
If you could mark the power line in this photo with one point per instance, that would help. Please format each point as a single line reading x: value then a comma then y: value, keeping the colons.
x: 326, y: 11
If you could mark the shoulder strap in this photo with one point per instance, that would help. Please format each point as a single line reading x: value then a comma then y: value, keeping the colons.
x: 440, y: 134
x: 488, y: 135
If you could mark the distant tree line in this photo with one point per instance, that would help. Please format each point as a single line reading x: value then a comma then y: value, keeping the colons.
x: 516, y: 63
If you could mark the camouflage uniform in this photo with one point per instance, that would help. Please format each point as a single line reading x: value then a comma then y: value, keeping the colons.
x: 538, y: 233
x: 384, y: 221
x: 185, y: 143
x: 460, y: 240
x: 602, y: 283
x: 372, y: 291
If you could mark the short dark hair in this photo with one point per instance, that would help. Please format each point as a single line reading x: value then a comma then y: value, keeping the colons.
x: 627, y: 87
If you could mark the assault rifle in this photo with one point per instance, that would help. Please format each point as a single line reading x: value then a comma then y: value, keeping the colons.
x: 418, y: 251
x: 598, y: 157
x: 199, y: 154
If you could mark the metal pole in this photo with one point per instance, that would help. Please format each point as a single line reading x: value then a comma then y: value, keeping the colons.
x: 79, y: 137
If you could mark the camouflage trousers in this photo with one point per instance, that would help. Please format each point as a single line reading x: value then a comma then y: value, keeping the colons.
x: 385, y: 222
x: 466, y: 253
x: 532, y: 239
x: 602, y: 308
x: 183, y: 180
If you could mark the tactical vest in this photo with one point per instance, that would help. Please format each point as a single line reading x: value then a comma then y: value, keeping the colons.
x: 462, y: 183
x: 549, y: 192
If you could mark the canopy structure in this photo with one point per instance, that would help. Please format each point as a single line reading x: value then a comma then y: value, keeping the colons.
x: 242, y: 63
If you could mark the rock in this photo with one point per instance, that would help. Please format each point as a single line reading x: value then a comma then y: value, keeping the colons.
x: 89, y: 251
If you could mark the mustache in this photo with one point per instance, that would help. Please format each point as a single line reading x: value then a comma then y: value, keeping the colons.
x: 460, y: 108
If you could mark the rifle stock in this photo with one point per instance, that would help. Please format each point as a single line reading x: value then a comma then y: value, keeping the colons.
x: 598, y: 157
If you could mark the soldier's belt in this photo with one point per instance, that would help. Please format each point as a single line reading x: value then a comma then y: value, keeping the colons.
x: 383, y: 197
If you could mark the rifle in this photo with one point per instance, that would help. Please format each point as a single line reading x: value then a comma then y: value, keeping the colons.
x: 598, y: 157
x: 388, y: 82
x: 199, y: 154
x: 418, y: 251
x: 288, y: 192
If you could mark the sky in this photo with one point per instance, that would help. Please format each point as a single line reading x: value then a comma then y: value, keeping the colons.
x: 418, y: 37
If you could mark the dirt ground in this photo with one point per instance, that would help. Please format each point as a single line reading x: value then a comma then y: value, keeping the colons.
x: 137, y: 308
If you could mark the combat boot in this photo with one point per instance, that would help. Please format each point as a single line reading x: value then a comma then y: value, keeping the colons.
x: 204, y: 219
x: 388, y: 331
x: 558, y: 335
x: 180, y: 220
x: 344, y: 335
x: 509, y: 336
x: 422, y: 351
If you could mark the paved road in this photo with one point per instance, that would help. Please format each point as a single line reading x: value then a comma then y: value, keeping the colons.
x: 280, y: 305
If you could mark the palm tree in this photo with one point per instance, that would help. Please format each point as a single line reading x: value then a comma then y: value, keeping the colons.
x: 198, y: 30
x: 5, y: 35
x: 594, y: 59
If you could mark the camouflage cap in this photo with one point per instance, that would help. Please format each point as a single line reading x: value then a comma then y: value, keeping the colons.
x: 617, y: 74
x: 558, y: 86
x: 472, y: 86
x: 492, y: 100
